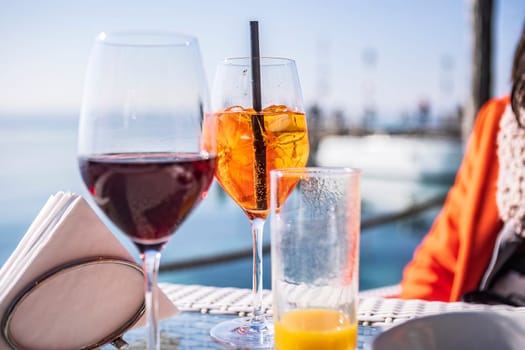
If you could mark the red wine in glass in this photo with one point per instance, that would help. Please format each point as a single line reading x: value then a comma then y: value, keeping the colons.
x: 148, y: 195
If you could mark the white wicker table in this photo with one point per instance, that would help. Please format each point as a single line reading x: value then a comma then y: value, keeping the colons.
x: 201, y: 307
x: 373, y: 310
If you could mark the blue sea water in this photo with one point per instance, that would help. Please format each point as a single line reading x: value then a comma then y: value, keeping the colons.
x: 38, y: 157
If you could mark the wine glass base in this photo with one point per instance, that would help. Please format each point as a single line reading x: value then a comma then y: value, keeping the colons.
x: 244, y: 333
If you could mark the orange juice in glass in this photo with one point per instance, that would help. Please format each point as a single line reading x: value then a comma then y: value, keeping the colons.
x: 312, y: 329
x: 315, y: 257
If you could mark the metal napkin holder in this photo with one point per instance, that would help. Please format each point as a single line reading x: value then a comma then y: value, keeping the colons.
x: 113, y: 337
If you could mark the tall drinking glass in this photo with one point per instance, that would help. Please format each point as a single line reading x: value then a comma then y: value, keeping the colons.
x: 315, y: 257
x: 141, y: 146
x: 252, y: 141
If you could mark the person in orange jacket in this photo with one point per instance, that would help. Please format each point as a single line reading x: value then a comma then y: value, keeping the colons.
x: 475, y: 242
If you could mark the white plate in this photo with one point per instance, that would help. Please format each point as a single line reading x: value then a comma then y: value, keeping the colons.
x: 480, y: 330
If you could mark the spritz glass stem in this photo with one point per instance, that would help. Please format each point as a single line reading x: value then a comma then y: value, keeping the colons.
x: 151, y: 259
x: 254, y: 332
x: 257, y: 285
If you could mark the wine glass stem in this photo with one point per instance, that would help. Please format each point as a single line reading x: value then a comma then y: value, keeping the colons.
x: 151, y: 259
x: 257, y: 286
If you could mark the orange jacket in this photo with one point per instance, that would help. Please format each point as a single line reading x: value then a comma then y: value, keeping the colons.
x: 453, y: 256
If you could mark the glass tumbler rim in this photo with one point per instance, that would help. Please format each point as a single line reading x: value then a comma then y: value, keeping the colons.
x: 145, y: 39
x: 319, y: 171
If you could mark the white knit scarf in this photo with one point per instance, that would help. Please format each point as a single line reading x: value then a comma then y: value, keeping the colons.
x: 510, y: 195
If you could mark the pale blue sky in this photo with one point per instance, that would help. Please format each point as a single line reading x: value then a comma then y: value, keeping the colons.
x: 44, y: 46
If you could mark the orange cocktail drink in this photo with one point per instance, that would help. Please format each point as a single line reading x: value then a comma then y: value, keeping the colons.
x: 285, y: 138
x: 313, y: 329
x: 260, y: 125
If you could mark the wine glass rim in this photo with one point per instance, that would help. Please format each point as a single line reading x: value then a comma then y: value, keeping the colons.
x: 318, y: 171
x: 264, y: 61
x: 145, y: 39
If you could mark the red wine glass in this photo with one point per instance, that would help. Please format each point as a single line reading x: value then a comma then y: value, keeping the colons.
x: 142, y: 151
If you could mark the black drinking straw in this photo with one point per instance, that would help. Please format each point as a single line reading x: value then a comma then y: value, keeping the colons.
x: 258, y: 120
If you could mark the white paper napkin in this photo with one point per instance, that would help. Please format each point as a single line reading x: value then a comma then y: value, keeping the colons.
x: 81, y: 304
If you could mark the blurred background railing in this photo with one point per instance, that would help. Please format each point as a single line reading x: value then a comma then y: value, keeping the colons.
x: 366, y: 224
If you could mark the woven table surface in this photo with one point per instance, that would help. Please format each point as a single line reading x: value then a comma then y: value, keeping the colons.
x: 372, y: 311
x: 202, y: 307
